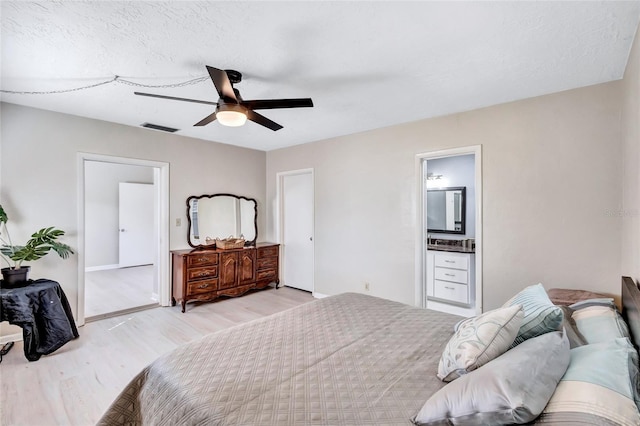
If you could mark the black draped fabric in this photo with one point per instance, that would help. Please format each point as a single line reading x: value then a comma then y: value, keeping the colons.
x: 42, y: 310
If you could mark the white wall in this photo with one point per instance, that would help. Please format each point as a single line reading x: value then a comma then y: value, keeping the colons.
x: 39, y: 168
x: 101, y: 208
x: 551, y: 172
x: 630, y: 209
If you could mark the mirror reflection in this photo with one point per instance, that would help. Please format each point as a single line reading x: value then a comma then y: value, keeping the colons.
x: 221, y: 216
x: 446, y: 210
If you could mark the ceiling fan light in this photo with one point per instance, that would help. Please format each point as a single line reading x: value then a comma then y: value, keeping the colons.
x: 231, y: 115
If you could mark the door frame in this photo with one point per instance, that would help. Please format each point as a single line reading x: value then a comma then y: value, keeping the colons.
x: 421, y: 233
x: 161, y: 199
x: 280, y: 176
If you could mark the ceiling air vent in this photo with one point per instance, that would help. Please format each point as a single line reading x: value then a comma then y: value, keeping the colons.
x: 158, y: 127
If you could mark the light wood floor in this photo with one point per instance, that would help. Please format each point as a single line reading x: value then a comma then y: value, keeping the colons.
x: 78, y: 382
x: 114, y: 290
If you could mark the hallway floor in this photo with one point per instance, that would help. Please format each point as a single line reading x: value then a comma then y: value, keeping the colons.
x: 117, y: 289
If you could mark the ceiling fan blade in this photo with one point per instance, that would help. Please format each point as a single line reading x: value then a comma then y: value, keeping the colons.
x: 173, y: 98
x: 278, y: 103
x: 223, y: 85
x: 262, y: 120
x: 208, y: 119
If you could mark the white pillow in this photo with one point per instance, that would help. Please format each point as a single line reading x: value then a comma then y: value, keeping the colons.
x: 513, y: 388
x: 478, y: 340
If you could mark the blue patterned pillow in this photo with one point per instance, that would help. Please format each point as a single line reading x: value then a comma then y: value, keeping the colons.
x: 599, y: 321
x: 600, y: 387
x: 540, y: 315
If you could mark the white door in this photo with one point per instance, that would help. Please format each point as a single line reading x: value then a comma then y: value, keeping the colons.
x: 297, y: 230
x: 136, y: 217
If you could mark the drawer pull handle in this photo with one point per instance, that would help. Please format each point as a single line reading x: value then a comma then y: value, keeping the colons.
x: 203, y: 286
x: 449, y: 288
x: 202, y: 259
x: 450, y: 261
x: 449, y: 275
x: 203, y: 274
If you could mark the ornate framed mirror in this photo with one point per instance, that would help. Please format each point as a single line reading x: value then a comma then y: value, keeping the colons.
x: 221, y: 216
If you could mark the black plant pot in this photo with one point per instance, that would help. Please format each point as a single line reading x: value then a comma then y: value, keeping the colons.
x: 15, y: 277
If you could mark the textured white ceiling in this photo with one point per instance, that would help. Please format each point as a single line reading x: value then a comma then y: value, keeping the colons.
x: 365, y: 64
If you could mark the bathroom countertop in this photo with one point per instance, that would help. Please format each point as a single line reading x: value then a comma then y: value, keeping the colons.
x: 444, y: 247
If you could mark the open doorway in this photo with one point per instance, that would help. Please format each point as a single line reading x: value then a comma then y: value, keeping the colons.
x: 449, y: 238
x: 119, y: 243
x: 124, y: 236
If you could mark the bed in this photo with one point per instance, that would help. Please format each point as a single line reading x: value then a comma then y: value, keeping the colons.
x: 350, y: 359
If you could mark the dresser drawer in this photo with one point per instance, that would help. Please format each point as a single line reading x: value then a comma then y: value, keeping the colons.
x: 454, y: 275
x: 202, y: 259
x: 198, y: 287
x: 268, y: 263
x: 268, y: 252
x: 266, y: 274
x: 451, y: 261
x: 236, y: 291
x: 201, y: 273
x: 458, y: 293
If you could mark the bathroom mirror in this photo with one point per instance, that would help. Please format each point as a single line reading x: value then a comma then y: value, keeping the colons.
x: 446, y: 210
x: 221, y: 216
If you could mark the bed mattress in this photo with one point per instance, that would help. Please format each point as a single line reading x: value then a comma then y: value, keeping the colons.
x: 350, y: 359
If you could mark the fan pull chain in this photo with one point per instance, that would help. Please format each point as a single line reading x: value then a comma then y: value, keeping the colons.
x: 184, y: 83
x: 115, y: 79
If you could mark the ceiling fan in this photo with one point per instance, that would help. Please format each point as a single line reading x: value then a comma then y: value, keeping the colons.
x: 231, y: 109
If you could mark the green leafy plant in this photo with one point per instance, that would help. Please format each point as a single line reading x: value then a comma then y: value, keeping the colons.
x: 38, y: 245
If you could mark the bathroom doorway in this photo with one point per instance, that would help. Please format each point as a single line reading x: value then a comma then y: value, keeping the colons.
x: 449, y: 240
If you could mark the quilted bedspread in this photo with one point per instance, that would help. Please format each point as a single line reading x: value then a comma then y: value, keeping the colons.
x: 350, y: 359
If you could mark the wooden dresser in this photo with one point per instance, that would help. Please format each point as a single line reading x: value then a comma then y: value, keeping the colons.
x: 210, y: 273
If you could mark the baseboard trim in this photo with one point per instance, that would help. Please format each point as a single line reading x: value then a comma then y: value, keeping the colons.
x: 17, y: 337
x: 99, y: 317
x: 101, y: 268
x: 319, y: 295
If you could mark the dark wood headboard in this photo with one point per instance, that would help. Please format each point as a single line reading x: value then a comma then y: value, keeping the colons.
x: 631, y: 308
